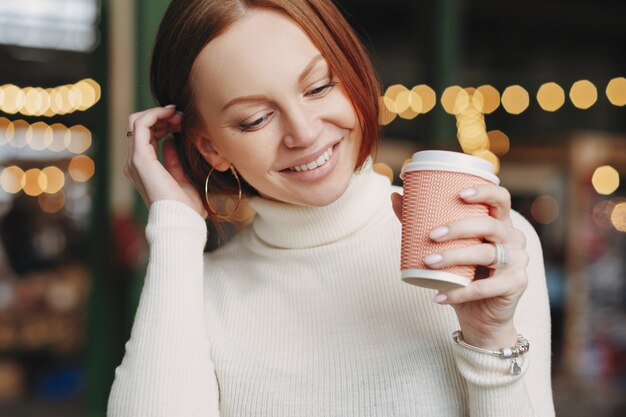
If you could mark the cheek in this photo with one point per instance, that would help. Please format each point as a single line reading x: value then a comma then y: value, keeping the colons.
x: 251, y: 155
x: 345, y: 110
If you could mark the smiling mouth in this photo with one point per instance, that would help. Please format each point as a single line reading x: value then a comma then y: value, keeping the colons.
x: 320, y: 161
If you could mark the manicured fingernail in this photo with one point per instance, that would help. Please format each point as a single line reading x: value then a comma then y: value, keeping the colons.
x: 468, y: 192
x: 170, y: 106
x: 439, y: 232
x: 433, y: 259
x: 440, y: 298
x: 180, y: 112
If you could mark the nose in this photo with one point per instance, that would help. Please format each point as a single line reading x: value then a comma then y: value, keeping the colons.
x: 303, y: 126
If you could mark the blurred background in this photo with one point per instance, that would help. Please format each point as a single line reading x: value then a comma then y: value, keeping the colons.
x: 536, y: 87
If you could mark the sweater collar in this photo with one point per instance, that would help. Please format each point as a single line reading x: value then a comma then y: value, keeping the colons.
x: 289, y: 226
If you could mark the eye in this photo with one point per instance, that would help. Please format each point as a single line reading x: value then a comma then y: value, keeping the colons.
x: 255, y: 125
x: 319, y: 91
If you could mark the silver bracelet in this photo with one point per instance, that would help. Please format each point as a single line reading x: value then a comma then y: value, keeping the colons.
x: 513, y: 353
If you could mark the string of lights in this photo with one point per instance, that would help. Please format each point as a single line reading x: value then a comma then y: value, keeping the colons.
x: 468, y: 105
x: 69, y: 144
x: 49, y: 102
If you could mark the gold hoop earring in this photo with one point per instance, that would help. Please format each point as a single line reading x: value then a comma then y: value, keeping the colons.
x: 214, y: 213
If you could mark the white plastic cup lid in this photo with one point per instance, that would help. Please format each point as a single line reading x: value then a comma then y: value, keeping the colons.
x: 452, y: 162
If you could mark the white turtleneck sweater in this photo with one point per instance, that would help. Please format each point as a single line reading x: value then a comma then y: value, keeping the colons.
x: 304, y: 314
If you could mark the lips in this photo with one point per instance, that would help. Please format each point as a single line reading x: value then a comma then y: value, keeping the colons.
x: 320, y: 161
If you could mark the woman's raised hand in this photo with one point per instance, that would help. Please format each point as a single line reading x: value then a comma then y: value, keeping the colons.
x: 485, y: 308
x: 153, y: 180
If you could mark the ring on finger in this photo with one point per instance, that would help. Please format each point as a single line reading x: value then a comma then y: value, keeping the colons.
x: 501, y: 256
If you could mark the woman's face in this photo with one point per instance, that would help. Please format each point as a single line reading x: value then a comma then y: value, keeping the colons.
x: 271, y: 107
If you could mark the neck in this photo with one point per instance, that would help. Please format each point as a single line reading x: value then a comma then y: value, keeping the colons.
x: 289, y: 226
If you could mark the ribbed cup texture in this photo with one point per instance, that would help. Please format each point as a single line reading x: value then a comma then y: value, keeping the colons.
x: 431, y: 199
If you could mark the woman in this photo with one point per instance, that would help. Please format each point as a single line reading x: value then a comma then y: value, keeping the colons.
x: 303, y: 312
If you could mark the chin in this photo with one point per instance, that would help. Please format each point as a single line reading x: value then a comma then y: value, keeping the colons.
x: 323, y: 196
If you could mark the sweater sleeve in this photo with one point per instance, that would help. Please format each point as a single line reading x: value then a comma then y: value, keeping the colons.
x: 167, y: 370
x: 492, y: 389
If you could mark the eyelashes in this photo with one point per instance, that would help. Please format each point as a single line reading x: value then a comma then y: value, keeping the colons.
x: 322, y: 89
x: 315, y: 93
x: 250, y: 126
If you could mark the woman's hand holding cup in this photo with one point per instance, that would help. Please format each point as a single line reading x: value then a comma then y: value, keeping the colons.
x: 486, y: 307
x: 156, y: 181
x: 455, y: 217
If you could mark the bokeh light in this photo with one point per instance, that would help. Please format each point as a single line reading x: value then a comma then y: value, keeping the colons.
x: 12, y: 179
x: 499, y: 142
x: 95, y: 86
x: 490, y: 97
x: 385, y: 116
x: 605, y: 180
x: 515, y: 99
x: 56, y: 179
x: 63, y: 100
x: 79, y: 139
x: 59, y: 133
x: 618, y: 217
x: 32, y: 101
x: 551, y: 96
x: 408, y: 104
x: 545, y: 209
x: 477, y: 100
x: 616, y: 91
x: 583, y: 94
x: 601, y: 213
x: 51, y: 203
x: 384, y: 169
x: 36, y: 182
x: 18, y: 137
x: 472, y: 133
x: 4, y: 124
x: 39, y: 136
x: 403, y: 101
x: 489, y: 156
x: 427, y: 96
x: 390, y: 96
x: 81, y: 168
x: 13, y: 98
x: 454, y: 100
x: 48, y: 102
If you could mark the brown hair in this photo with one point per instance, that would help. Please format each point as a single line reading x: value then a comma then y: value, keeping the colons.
x: 189, y: 25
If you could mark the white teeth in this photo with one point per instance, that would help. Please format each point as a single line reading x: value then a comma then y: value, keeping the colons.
x: 321, y: 160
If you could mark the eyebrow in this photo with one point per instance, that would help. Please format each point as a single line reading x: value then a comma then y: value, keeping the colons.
x: 301, y: 77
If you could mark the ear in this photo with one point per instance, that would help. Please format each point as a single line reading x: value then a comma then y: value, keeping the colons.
x: 205, y: 147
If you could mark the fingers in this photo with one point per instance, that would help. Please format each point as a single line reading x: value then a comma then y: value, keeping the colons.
x: 485, y: 227
x: 396, y: 203
x: 483, y: 254
x: 150, y: 125
x: 165, y: 127
x: 175, y: 117
x: 498, y: 199
x: 504, y: 284
x: 147, y: 127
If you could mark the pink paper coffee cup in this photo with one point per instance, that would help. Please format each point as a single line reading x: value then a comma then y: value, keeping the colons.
x: 432, y: 182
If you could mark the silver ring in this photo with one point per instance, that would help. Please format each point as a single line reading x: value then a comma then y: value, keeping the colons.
x: 502, y: 256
